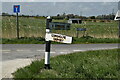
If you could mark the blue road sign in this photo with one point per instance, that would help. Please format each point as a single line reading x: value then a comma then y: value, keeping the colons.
x: 16, y: 8
x: 81, y: 29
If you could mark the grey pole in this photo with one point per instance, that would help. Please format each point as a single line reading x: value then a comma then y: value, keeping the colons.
x: 119, y: 20
x: 77, y: 33
x: 48, y: 43
x: 17, y: 24
x: 119, y: 28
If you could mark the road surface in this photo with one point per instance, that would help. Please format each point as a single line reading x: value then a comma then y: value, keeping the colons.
x: 18, y: 55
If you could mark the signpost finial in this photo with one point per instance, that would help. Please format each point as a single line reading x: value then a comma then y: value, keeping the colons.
x: 48, y: 17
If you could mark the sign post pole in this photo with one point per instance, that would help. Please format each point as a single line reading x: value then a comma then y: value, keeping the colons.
x: 48, y: 43
x: 77, y: 33
x: 84, y: 33
x: 119, y: 17
x: 17, y: 24
x: 80, y: 29
x: 119, y: 28
x: 16, y: 9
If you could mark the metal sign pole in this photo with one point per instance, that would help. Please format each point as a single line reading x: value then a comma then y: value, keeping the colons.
x: 17, y: 24
x: 84, y: 34
x: 119, y: 20
x: 77, y: 33
x: 48, y: 43
x: 119, y: 28
x: 16, y: 9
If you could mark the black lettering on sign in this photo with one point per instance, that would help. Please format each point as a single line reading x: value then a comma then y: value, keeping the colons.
x: 58, y: 38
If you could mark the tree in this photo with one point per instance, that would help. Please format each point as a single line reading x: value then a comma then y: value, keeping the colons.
x: 5, y: 14
x: 92, y: 17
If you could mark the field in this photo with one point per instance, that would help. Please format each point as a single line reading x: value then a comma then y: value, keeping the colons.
x: 32, y: 27
x: 89, y: 64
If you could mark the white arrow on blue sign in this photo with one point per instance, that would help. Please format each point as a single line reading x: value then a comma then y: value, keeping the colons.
x: 16, y: 8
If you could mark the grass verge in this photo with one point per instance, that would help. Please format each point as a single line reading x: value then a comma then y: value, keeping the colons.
x: 24, y: 40
x: 89, y: 64
x: 39, y: 40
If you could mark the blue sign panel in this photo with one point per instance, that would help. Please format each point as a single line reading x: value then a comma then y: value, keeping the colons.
x: 81, y: 29
x: 16, y: 8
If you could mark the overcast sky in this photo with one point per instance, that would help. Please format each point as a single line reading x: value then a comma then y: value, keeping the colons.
x: 53, y: 8
x: 59, y: 0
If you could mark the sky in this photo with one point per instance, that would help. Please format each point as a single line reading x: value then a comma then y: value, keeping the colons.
x: 54, y: 8
x: 59, y: 0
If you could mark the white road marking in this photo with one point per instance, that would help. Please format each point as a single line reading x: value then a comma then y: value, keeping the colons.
x: 40, y: 50
x: 63, y: 52
x: 78, y: 50
x: 5, y: 50
x: 52, y: 52
x: 22, y: 50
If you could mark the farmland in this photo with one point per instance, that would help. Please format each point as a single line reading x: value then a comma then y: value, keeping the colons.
x: 33, y: 27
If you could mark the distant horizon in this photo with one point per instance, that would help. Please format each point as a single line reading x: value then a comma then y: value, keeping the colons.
x: 53, y: 15
x: 54, y: 8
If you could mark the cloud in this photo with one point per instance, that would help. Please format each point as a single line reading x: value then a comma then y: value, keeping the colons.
x: 53, y: 8
x: 19, y: 0
x: 59, y: 0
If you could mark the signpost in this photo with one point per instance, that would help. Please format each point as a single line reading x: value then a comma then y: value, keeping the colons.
x: 16, y: 9
x: 53, y: 37
x: 58, y: 38
x: 48, y: 43
x: 117, y: 17
x: 80, y: 29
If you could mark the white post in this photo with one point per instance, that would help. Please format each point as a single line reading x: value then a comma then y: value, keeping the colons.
x: 48, y: 43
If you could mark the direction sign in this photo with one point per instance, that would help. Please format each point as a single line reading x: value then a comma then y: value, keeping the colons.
x: 58, y: 38
x: 81, y: 29
x: 117, y: 17
x: 59, y: 26
x: 16, y: 8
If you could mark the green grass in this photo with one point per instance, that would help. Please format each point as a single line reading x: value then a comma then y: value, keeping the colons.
x: 94, y: 40
x: 32, y: 27
x: 39, y: 40
x: 89, y: 64
x: 29, y: 27
x: 26, y: 40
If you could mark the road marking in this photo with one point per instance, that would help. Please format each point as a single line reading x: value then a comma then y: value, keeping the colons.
x: 52, y: 52
x: 22, y: 50
x: 5, y: 50
x: 78, y: 50
x: 63, y: 52
x: 40, y: 50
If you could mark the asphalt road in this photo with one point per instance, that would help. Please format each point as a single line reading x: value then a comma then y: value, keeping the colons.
x: 18, y: 55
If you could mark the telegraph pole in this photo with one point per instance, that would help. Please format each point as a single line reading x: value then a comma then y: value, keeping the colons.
x: 48, y: 44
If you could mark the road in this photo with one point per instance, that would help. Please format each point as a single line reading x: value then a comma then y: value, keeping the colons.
x: 19, y: 55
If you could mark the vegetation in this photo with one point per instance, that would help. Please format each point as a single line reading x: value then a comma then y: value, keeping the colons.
x: 89, y: 64
x: 35, y: 27
x: 39, y: 40
x: 22, y: 40
x: 29, y: 27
